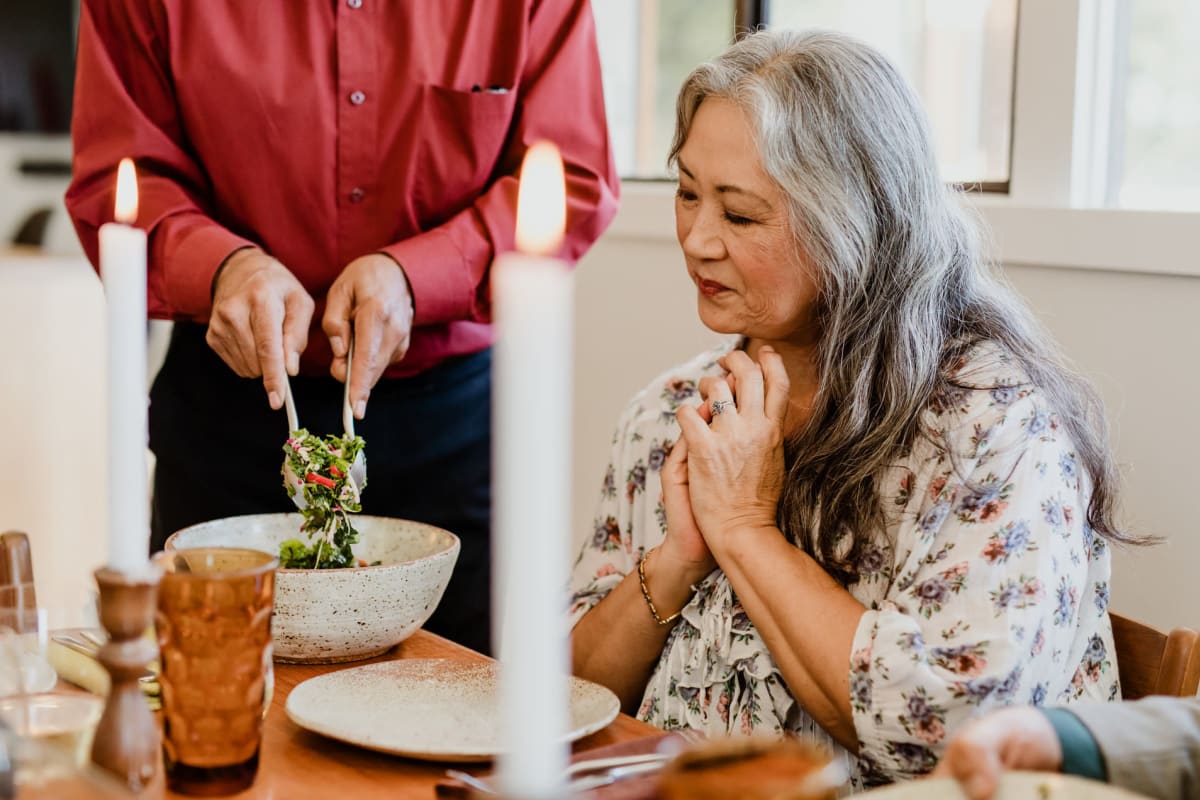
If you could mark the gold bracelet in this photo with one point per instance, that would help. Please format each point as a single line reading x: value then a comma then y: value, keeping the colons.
x: 646, y: 593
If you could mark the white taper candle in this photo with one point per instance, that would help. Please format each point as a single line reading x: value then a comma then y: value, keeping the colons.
x: 532, y: 298
x: 123, y: 272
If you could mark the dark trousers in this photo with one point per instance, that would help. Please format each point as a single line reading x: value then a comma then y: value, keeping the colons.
x: 428, y: 442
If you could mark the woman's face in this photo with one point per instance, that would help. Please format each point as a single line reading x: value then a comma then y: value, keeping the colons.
x: 732, y: 223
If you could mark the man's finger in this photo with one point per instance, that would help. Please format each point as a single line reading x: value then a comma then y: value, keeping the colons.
x: 368, y: 365
x: 297, y: 317
x: 266, y: 324
x: 336, y: 325
x: 225, y: 337
x: 973, y: 763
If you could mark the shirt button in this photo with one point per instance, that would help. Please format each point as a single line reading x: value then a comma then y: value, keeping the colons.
x: 356, y: 195
x: 358, y: 98
x: 354, y: 3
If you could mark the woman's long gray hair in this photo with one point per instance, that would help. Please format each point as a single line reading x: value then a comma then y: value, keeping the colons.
x: 904, y: 289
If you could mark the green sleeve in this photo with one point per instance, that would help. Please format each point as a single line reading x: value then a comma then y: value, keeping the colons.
x: 1081, y: 753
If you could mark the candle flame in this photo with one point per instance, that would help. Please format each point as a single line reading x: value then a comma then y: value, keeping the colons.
x: 127, y: 193
x: 541, y: 201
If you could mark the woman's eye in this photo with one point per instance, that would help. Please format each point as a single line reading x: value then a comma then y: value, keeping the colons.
x: 737, y: 219
x: 686, y: 195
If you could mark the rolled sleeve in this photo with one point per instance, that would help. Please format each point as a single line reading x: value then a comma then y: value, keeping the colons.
x: 125, y: 106
x: 438, y: 275
x: 1151, y: 746
x: 191, y: 258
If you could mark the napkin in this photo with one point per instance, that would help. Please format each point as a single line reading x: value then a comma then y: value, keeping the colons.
x: 641, y: 787
x: 74, y: 667
x: 88, y: 673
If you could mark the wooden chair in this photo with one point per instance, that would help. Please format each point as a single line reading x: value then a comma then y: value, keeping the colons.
x: 1153, y: 662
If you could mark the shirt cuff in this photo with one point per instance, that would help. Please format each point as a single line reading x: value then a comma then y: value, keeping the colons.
x: 192, y: 266
x: 1080, y: 753
x: 442, y: 289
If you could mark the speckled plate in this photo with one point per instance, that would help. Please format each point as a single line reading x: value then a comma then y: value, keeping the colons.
x: 1013, y: 786
x: 431, y: 709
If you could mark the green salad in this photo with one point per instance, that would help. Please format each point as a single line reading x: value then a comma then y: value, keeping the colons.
x: 320, y: 469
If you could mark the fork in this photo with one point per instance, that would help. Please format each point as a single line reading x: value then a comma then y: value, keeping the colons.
x: 587, y: 774
x: 358, y: 470
x: 289, y: 475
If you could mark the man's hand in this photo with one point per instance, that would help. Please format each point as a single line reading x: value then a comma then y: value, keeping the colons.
x: 372, y: 296
x: 260, y: 318
x: 1012, y: 738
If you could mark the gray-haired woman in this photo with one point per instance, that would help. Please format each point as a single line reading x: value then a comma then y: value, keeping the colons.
x: 884, y: 503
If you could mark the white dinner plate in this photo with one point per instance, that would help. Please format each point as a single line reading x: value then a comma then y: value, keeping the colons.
x: 432, y: 709
x: 1013, y: 786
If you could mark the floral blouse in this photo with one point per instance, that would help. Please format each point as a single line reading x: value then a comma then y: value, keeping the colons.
x: 986, y: 588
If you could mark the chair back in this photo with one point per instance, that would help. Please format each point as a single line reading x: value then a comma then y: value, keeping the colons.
x: 1152, y: 662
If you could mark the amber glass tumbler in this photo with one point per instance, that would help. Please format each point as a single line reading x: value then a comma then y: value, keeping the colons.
x: 214, y: 633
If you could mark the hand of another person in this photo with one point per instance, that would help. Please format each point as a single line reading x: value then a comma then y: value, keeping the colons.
x: 735, y: 460
x: 1012, y: 738
x: 373, y: 296
x: 259, y: 321
x: 683, y: 546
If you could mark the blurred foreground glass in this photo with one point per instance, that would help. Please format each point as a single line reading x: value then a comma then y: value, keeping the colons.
x: 48, y: 739
x: 214, y: 634
x: 24, y: 637
x: 46, y: 735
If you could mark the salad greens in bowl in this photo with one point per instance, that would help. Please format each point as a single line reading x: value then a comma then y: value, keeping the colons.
x: 319, y: 469
x: 354, y: 612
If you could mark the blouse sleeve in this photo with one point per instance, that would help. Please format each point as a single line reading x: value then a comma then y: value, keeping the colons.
x: 606, y: 552
x: 985, y: 601
x: 630, y: 517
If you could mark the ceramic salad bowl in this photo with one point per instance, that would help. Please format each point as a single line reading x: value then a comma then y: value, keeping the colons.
x: 324, y: 616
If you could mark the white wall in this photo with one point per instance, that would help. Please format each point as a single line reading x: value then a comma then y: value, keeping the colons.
x: 1136, y: 336
x: 1134, y: 333
x: 53, y: 424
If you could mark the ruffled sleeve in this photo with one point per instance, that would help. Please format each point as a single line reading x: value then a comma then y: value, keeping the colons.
x: 993, y: 586
x: 606, y: 552
x: 630, y: 517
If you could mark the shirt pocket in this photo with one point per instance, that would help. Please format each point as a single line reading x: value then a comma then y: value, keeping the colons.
x: 466, y: 131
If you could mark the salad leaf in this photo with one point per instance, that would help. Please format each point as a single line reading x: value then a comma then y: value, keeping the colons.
x: 320, y: 468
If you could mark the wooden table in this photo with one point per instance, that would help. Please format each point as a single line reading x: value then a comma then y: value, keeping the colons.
x: 297, y: 765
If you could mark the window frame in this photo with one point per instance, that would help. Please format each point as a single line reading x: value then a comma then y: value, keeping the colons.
x: 1048, y: 217
x: 751, y: 15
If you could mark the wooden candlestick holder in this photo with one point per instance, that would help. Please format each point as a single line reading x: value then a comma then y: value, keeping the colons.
x: 127, y: 738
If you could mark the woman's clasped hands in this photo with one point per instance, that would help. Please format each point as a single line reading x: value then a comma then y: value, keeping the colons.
x: 723, y: 478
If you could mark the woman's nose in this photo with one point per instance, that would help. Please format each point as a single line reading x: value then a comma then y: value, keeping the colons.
x: 702, y: 238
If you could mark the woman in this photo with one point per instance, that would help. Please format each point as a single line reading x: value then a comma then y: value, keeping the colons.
x: 885, y: 501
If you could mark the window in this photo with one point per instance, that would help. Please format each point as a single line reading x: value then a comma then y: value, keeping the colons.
x: 647, y: 48
x: 959, y: 55
x: 1155, y: 155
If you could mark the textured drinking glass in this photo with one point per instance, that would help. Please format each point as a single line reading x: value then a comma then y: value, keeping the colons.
x: 214, y: 633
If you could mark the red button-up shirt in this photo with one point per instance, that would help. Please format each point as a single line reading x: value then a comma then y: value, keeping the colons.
x: 323, y: 130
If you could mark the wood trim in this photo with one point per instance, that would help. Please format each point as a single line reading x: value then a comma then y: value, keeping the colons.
x: 1151, y: 662
x: 749, y: 16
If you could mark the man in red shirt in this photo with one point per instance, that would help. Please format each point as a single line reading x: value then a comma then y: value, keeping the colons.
x: 314, y: 170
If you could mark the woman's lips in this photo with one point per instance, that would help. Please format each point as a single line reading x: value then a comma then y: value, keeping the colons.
x: 711, y: 288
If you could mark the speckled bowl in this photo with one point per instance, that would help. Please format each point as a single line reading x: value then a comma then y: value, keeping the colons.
x: 324, y: 616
